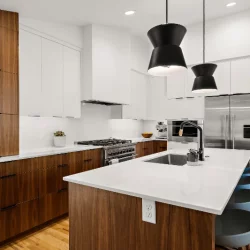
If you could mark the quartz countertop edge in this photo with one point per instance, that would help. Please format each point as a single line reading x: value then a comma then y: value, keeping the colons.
x: 47, y: 152
x: 205, y: 188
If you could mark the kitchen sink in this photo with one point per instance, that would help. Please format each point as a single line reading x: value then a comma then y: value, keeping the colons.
x: 171, y: 159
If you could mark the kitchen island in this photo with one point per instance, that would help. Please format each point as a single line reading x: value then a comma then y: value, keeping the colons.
x: 105, y: 205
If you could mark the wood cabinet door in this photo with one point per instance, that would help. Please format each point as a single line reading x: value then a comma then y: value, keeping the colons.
x: 9, y: 20
x: 160, y: 146
x: 148, y: 148
x: 8, y: 50
x: 9, y: 135
x: 75, y: 162
x: 48, y: 174
x: 9, y: 94
x: 92, y: 159
x: 62, y: 202
x: 62, y: 170
x: 17, y: 219
x: 139, y: 150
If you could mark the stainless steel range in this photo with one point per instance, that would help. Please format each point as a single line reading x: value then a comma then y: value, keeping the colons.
x: 115, y: 150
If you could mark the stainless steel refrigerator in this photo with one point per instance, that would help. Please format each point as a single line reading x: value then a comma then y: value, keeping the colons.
x: 227, y: 122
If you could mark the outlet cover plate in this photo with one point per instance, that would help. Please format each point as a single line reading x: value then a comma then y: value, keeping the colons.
x: 148, y: 211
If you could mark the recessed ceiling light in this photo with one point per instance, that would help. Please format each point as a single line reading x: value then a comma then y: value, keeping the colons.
x: 130, y: 12
x: 231, y: 4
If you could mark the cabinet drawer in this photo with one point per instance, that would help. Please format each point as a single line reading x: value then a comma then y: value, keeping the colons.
x: 62, y: 170
x: 160, y: 146
x: 17, y: 219
x: 92, y: 159
x: 53, y: 205
x: 148, y: 148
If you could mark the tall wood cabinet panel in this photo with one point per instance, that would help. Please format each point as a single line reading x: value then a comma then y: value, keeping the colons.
x: 8, y: 50
x: 9, y: 93
x: 9, y: 135
x: 30, y: 50
x: 9, y: 20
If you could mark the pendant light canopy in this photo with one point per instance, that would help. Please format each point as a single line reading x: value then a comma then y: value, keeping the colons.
x: 204, y: 81
x: 167, y: 55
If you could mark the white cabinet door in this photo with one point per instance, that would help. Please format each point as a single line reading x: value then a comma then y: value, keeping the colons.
x: 176, y: 83
x: 193, y: 108
x: 52, y: 78
x: 240, y: 76
x: 30, y: 74
x: 156, y: 98
x: 222, y: 79
x: 137, y: 108
x: 71, y: 83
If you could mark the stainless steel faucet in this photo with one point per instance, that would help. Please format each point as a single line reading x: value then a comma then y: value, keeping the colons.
x: 201, y: 146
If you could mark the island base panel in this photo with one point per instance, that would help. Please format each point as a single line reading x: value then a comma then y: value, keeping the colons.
x: 103, y: 220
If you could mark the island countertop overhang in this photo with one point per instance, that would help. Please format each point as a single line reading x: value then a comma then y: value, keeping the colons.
x: 206, y: 188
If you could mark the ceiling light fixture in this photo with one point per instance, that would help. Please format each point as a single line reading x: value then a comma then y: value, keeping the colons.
x: 130, y: 12
x: 167, y: 56
x: 231, y: 4
x: 204, y: 81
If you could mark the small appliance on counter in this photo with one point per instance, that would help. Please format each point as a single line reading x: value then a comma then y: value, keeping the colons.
x: 193, y: 157
x: 162, y: 129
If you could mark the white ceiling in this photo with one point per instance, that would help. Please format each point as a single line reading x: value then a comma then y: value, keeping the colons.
x: 111, y: 12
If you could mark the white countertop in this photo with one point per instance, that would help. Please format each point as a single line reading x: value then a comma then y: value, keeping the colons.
x: 46, y: 152
x: 206, y: 188
x: 142, y: 139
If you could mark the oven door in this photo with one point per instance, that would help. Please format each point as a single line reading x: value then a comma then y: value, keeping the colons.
x: 188, y: 131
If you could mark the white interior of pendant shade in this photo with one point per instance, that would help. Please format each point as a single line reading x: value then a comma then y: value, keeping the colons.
x: 201, y: 91
x: 165, y: 70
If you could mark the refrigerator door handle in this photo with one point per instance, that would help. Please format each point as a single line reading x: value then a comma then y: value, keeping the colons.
x: 233, y: 129
x: 226, y: 131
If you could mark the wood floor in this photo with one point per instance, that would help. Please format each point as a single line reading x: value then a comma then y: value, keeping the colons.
x: 52, y: 237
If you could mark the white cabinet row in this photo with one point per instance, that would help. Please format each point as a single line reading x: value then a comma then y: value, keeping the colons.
x: 232, y: 77
x: 149, y: 101
x: 49, y: 78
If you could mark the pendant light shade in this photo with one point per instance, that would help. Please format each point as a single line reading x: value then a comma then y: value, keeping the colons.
x: 167, y: 56
x: 204, y: 81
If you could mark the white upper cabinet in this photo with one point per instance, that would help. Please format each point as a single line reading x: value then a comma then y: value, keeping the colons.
x: 157, y: 100
x: 176, y: 83
x: 240, y: 76
x: 138, y: 106
x: 52, y: 78
x: 71, y: 83
x: 139, y: 54
x: 222, y: 79
x: 106, y: 65
x: 30, y: 73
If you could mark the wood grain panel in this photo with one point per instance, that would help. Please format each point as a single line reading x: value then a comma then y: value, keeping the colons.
x: 9, y: 135
x: 148, y: 148
x: 9, y: 93
x: 9, y: 50
x: 89, y: 213
x: 139, y: 150
x: 160, y: 146
x: 153, y: 236
x: 74, y: 160
x: 123, y: 212
x: 9, y: 20
x: 48, y: 174
x: 92, y: 159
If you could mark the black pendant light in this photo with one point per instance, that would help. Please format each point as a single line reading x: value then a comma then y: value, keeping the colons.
x: 167, y: 55
x: 204, y: 81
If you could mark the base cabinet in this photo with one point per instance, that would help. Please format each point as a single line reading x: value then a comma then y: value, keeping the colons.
x: 32, y: 191
x: 150, y: 147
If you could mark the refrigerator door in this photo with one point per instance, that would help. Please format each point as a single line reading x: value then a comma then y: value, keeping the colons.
x: 217, y: 122
x: 240, y: 121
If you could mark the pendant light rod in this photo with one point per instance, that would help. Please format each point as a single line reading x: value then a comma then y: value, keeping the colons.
x: 166, y: 11
x: 204, y: 31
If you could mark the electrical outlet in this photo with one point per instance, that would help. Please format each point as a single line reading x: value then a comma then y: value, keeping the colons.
x: 148, y: 211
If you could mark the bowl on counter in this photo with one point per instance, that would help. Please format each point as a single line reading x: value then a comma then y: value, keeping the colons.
x: 147, y: 135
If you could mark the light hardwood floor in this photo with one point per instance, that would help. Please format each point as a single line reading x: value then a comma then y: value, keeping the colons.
x: 52, y: 237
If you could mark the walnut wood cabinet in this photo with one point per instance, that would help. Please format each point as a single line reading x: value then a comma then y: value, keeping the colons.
x: 33, y: 192
x: 150, y: 147
x: 9, y: 83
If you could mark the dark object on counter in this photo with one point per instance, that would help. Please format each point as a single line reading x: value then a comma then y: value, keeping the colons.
x: 193, y: 156
x: 201, y: 146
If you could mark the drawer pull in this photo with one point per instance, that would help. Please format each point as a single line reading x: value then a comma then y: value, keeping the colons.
x: 8, y: 176
x: 8, y: 208
x: 163, y: 147
x: 63, y: 190
x: 88, y: 160
x: 63, y: 166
